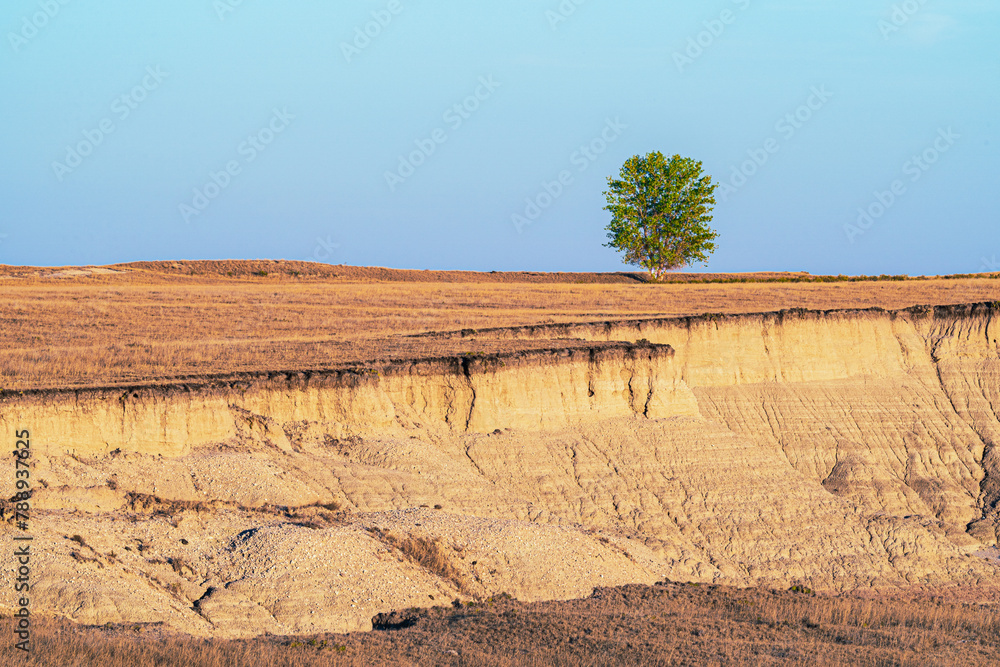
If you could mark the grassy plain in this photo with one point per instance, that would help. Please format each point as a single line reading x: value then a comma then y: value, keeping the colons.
x: 137, y: 323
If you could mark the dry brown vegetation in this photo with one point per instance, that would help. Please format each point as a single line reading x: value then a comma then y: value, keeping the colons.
x: 427, y: 553
x: 148, y: 321
x: 666, y: 624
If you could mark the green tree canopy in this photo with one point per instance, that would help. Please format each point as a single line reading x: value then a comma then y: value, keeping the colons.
x: 660, y: 210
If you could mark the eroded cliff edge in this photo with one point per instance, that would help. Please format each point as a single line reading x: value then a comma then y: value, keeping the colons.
x: 838, y: 449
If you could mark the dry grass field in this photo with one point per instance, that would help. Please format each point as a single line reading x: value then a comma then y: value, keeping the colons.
x: 141, y: 322
x: 666, y: 624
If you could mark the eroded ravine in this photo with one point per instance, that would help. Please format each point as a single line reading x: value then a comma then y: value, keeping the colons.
x: 841, y: 450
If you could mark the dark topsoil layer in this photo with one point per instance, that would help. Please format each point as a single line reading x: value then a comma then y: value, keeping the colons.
x: 665, y: 624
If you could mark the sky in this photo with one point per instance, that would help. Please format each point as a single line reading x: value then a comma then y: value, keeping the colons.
x: 847, y: 136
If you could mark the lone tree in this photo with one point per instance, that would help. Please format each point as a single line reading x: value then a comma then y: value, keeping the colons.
x: 660, y: 210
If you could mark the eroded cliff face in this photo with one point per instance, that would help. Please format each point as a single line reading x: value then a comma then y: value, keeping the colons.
x: 841, y: 450
x: 533, y: 390
x: 897, y: 411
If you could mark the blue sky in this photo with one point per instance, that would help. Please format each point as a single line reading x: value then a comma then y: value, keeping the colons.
x: 853, y: 137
